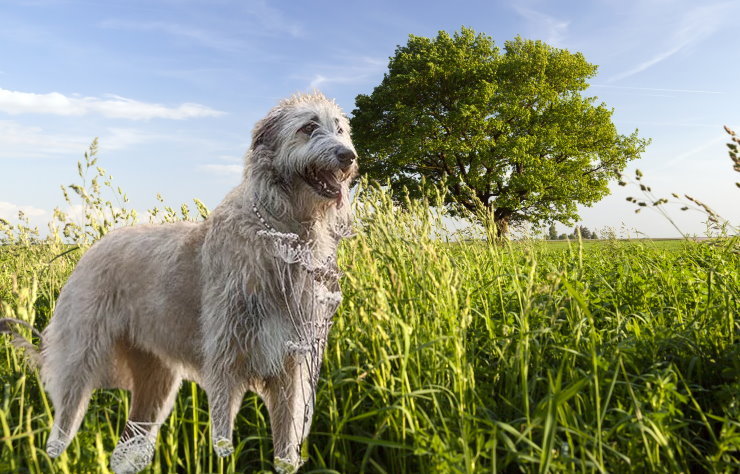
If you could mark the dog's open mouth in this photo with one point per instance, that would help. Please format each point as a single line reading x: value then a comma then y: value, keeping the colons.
x: 326, y: 183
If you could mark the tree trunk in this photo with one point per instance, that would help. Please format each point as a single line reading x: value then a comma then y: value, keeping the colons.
x: 502, y: 227
x: 497, y: 224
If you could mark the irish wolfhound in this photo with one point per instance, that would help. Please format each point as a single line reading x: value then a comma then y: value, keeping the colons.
x: 241, y: 301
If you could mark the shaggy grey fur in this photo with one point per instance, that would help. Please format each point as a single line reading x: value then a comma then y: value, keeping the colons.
x: 241, y: 301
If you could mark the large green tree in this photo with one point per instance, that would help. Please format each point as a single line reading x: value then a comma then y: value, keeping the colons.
x: 508, y: 132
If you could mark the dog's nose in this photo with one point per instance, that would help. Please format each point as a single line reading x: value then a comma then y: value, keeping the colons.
x: 345, y: 156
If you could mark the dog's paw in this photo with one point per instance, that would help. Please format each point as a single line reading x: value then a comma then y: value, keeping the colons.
x: 287, y: 466
x: 132, y: 455
x: 223, y: 447
x: 283, y: 466
x: 55, y: 448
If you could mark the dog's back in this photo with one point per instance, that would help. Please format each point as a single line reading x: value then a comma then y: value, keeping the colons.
x: 131, y: 288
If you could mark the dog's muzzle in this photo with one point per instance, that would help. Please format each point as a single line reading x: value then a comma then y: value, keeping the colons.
x: 345, y: 157
x: 327, y: 182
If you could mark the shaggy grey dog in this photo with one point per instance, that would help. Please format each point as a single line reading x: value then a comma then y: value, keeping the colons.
x: 241, y: 301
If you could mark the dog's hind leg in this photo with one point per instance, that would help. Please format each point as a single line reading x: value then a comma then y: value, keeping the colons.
x: 290, y: 399
x: 154, y: 388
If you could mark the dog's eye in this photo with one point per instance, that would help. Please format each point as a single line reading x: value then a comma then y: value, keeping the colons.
x: 340, y: 130
x: 309, y: 128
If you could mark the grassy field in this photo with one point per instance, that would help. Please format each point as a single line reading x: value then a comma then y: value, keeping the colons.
x: 613, y: 356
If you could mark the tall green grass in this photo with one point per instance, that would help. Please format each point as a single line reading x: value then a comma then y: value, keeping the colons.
x: 453, y: 356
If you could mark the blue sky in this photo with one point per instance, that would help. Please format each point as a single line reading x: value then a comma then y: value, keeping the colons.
x: 173, y: 87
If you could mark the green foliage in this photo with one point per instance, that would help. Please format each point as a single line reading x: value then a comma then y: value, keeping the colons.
x: 505, y: 131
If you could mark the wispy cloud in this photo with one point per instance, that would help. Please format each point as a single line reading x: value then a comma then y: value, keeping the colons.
x: 208, y: 39
x: 272, y: 20
x: 20, y: 141
x: 699, y: 151
x: 223, y: 170
x: 694, y: 26
x: 550, y: 29
x: 650, y: 62
x: 353, y: 71
x: 254, y: 18
x: 657, y: 89
x: 119, y: 138
x: 54, y: 103
x: 319, y: 80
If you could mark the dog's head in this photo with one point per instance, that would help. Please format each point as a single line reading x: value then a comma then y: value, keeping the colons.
x: 305, y: 143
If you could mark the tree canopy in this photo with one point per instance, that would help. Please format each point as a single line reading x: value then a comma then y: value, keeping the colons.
x: 508, y: 132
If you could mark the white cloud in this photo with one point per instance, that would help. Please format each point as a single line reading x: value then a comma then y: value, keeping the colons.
x: 54, y: 103
x: 9, y: 211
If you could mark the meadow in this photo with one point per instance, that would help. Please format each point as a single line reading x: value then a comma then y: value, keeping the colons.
x: 447, y: 356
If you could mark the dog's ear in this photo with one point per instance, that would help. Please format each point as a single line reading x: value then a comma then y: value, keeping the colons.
x: 266, y: 131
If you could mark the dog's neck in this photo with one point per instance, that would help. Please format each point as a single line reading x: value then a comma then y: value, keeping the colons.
x: 272, y: 222
x: 313, y: 228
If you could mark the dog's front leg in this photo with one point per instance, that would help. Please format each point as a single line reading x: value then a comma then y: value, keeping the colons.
x: 224, y: 398
x: 290, y: 401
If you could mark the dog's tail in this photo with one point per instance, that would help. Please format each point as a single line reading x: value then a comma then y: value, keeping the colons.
x: 7, y: 326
